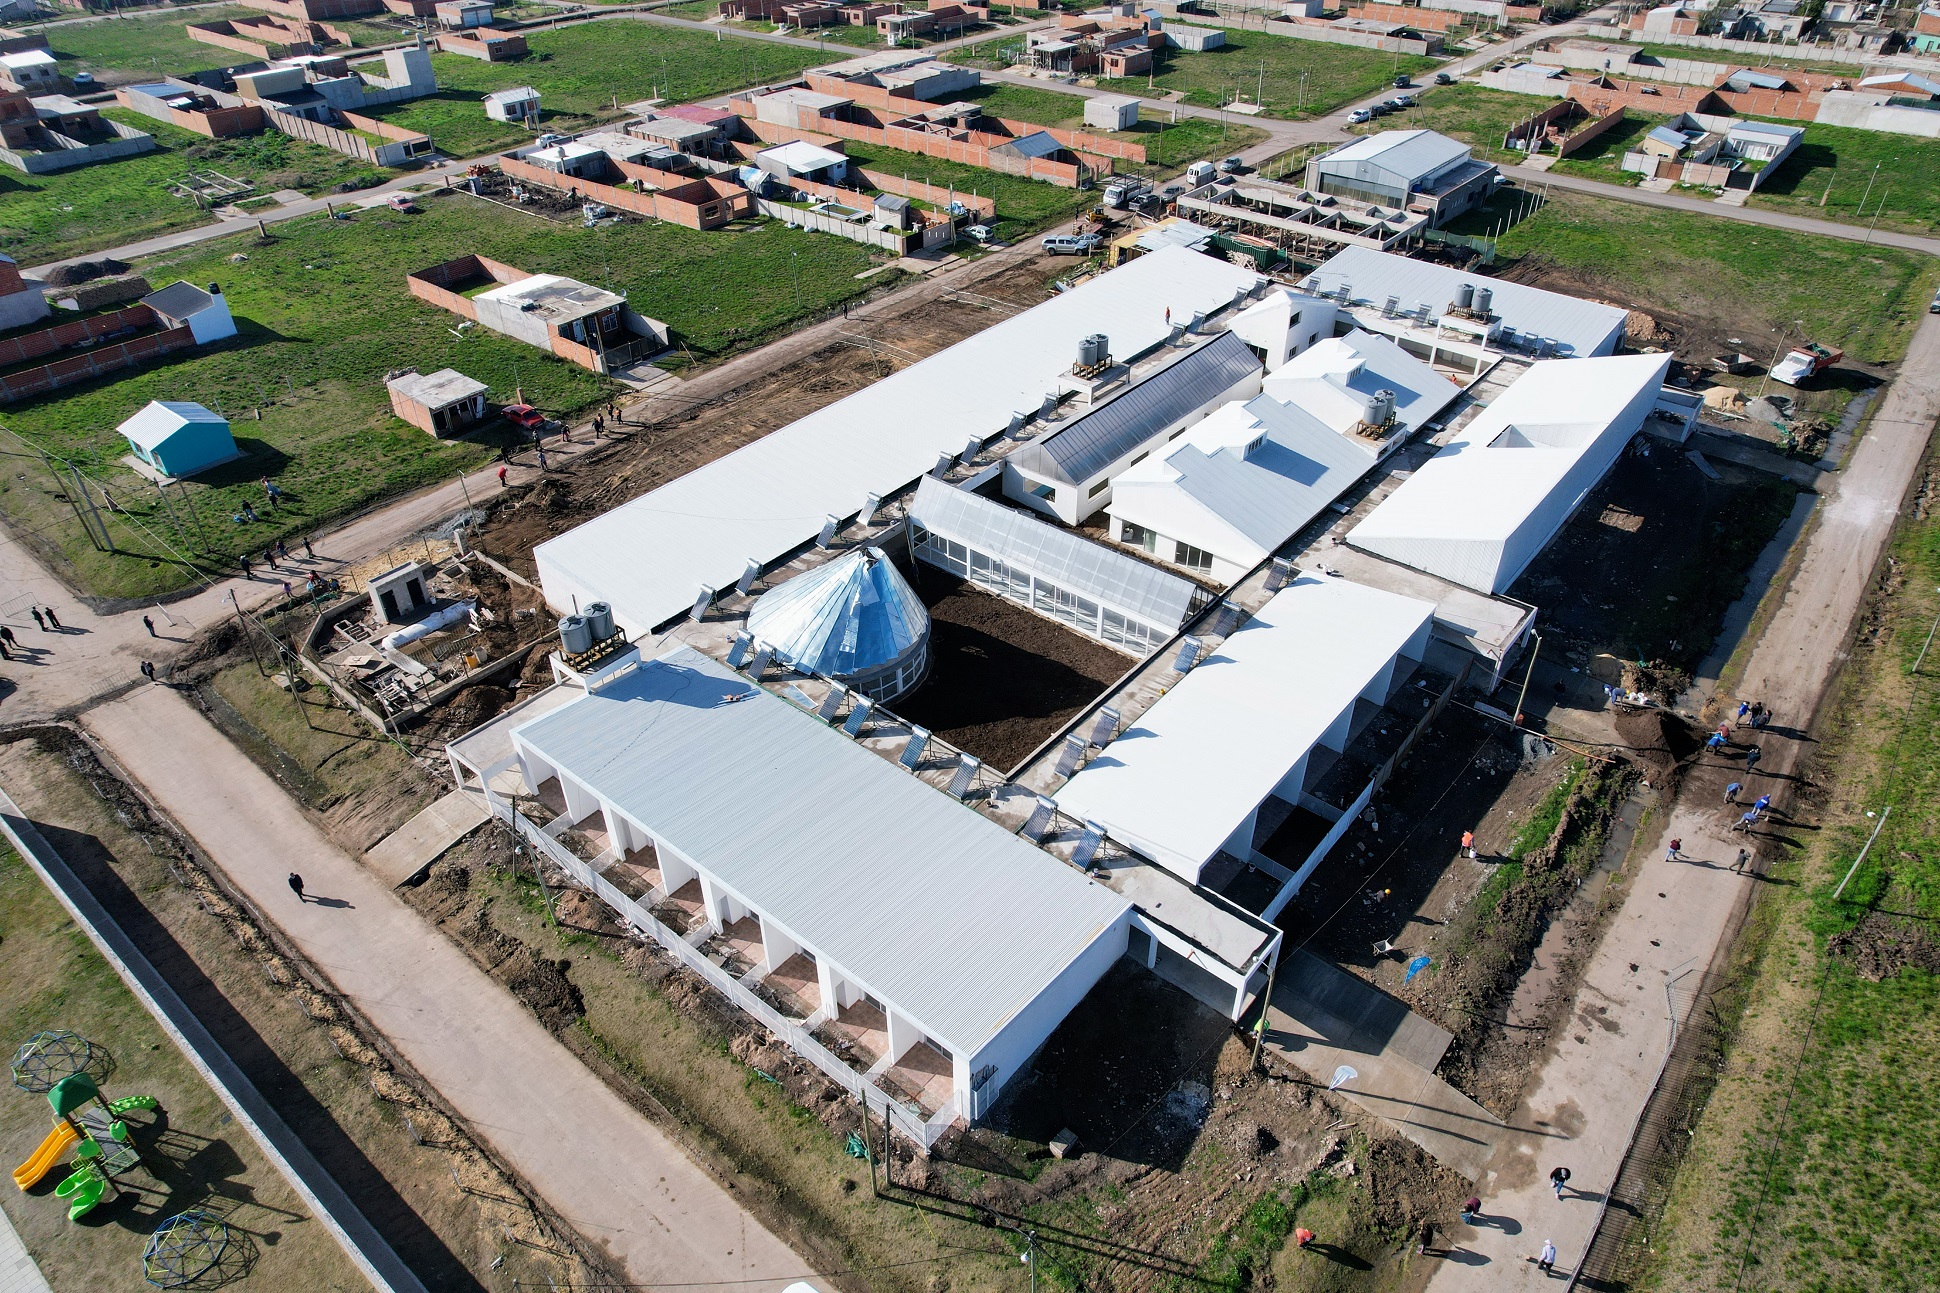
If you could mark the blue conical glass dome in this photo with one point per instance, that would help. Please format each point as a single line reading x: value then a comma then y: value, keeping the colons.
x: 855, y: 619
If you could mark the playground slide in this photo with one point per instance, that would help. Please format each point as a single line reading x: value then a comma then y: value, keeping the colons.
x: 82, y: 1191
x: 46, y: 1156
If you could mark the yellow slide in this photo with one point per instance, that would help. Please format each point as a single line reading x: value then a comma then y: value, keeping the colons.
x: 46, y: 1156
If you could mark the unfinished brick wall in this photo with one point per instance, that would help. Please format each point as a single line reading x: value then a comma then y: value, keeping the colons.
x: 46, y: 341
x: 434, y: 283
x: 1653, y: 97
x: 695, y: 203
x: 1420, y: 19
x: 1063, y: 174
x: 98, y: 362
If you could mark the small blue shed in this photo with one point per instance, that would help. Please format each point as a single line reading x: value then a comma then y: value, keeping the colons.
x: 180, y: 438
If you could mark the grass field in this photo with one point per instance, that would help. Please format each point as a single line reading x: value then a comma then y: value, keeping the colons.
x: 1815, y: 1165
x: 1474, y: 114
x: 122, y: 50
x: 1022, y: 205
x: 1168, y: 145
x: 1830, y: 172
x: 582, y: 72
x: 1781, y: 58
x: 324, y: 314
x: 1251, y: 63
x: 1865, y: 299
x: 1602, y: 157
x: 51, y: 977
x: 48, y: 217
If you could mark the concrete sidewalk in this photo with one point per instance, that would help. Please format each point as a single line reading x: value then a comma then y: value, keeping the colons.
x: 1582, y: 1107
x: 604, y: 1167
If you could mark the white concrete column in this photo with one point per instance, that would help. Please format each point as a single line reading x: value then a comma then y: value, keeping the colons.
x: 674, y: 871
x: 713, y: 903
x: 826, y: 980
x: 960, y: 1085
x: 580, y: 802
x: 778, y: 946
x: 902, y: 1034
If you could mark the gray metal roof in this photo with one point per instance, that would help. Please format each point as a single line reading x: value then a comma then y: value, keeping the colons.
x: 1413, y: 153
x: 1268, y: 495
x: 1579, y: 328
x: 922, y: 901
x: 178, y: 300
x: 1079, y: 451
x: 1058, y: 555
x: 438, y: 390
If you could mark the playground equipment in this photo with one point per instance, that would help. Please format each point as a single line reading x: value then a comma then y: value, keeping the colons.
x: 183, y: 1249
x: 62, y: 1065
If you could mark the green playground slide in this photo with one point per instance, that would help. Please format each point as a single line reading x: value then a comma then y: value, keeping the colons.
x: 129, y: 1103
x: 82, y: 1191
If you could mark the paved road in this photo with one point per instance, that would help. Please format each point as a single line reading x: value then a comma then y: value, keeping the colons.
x: 1583, y: 1104
x: 600, y: 1163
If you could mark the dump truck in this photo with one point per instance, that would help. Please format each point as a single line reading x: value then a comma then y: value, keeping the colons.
x: 1804, y: 362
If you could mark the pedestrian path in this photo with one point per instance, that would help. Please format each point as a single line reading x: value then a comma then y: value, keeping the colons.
x: 615, y: 1176
x: 18, y: 1274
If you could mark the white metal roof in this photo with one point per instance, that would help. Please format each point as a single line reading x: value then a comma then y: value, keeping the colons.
x: 1481, y: 509
x: 1579, y: 328
x: 1413, y: 153
x: 157, y: 420
x: 438, y: 390
x: 1178, y: 782
x: 515, y: 95
x: 1243, y: 481
x: 1039, y: 143
x: 650, y: 557
x: 922, y: 901
x: 845, y: 617
x: 1335, y: 378
x: 802, y: 156
x: 1056, y: 554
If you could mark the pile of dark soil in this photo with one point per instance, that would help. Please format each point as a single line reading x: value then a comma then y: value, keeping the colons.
x: 1002, y: 679
x: 1661, y: 741
x: 1880, y: 946
x: 83, y: 271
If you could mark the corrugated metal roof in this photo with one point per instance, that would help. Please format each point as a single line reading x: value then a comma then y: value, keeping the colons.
x: 1666, y: 135
x: 849, y: 616
x: 1579, y: 328
x: 1266, y: 493
x: 1756, y: 80
x: 1336, y: 378
x: 1101, y: 437
x: 1492, y: 498
x: 1189, y: 771
x: 1039, y: 143
x: 650, y: 557
x: 922, y: 901
x: 178, y: 300
x: 157, y: 420
x: 1412, y: 153
x: 1054, y: 553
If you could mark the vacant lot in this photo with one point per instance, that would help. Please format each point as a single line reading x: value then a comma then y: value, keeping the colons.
x: 1474, y: 114
x: 324, y: 314
x: 1815, y: 1166
x: 584, y: 74
x: 94, y: 208
x: 194, y: 1154
x: 1168, y: 144
x: 1602, y: 157
x: 1711, y: 278
x: 1835, y: 169
x: 1731, y: 58
x: 1023, y: 206
x: 125, y: 50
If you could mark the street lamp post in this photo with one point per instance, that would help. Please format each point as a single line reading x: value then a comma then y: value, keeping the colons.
x: 794, y: 269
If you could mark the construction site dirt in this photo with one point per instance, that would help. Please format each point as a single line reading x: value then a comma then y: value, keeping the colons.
x: 670, y: 433
x: 1002, y: 679
x: 1653, y: 559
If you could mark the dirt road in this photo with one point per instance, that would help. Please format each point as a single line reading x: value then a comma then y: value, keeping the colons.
x: 597, y: 1160
x: 1583, y: 1104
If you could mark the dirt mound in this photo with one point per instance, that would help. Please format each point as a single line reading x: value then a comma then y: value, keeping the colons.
x: 543, y: 986
x: 83, y: 271
x: 1881, y: 946
x: 474, y: 706
x: 1642, y: 329
x: 1659, y: 739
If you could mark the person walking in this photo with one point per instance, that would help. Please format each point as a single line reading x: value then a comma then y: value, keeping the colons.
x: 244, y: 562
x: 39, y: 619
x: 1744, y: 707
x: 1752, y: 756
x: 1671, y: 854
x: 6, y: 636
x: 248, y: 512
x: 1731, y: 792
x: 501, y: 479
x: 542, y: 458
x: 282, y: 550
x: 1760, y: 719
x: 1471, y: 1206
x: 1303, y: 1237
x: 1746, y: 822
x: 1715, y: 743
x: 148, y: 670
x: 1559, y: 1177
x: 1426, y: 1239
x: 1744, y: 856
x: 296, y: 887
x: 1762, y: 807
x: 5, y: 654
x: 52, y: 618
x: 1468, y: 844
x: 149, y: 624
x: 1547, y: 1262
x: 309, y: 551
x: 286, y: 590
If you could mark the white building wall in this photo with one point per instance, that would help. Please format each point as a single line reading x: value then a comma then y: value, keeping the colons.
x: 1027, y: 1030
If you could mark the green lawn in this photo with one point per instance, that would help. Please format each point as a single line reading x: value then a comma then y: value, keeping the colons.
x: 1829, y: 172
x: 150, y: 44
x: 1734, y: 58
x: 1474, y: 114
x: 1864, y: 299
x: 1170, y: 145
x: 581, y: 72
x: 48, y: 217
x: 1602, y: 157
x: 1023, y: 206
x: 324, y: 313
x: 1815, y: 1165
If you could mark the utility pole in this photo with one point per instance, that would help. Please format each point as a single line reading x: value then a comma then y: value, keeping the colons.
x: 194, y: 517
x: 1876, y: 210
x: 81, y: 484
x: 1527, y: 674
